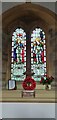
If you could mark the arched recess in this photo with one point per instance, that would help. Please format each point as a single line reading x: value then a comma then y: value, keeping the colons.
x: 27, y: 14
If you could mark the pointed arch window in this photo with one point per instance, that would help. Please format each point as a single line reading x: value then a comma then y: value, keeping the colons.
x: 25, y: 61
x: 18, y: 56
x: 38, y: 53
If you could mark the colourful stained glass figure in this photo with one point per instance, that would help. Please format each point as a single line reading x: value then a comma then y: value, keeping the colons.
x: 18, y: 59
x: 38, y: 53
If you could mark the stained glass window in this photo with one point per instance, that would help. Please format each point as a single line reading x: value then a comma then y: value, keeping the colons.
x: 18, y: 57
x: 38, y: 53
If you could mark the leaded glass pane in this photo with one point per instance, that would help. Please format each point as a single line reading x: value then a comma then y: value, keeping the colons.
x: 18, y: 60
x: 44, y: 53
x: 38, y: 51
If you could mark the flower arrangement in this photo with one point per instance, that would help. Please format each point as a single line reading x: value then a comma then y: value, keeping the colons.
x: 29, y: 83
x: 47, y: 80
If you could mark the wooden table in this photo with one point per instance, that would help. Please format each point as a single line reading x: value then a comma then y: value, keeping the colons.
x: 28, y: 93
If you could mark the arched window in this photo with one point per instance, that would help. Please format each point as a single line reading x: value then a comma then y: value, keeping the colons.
x: 18, y: 57
x: 21, y: 56
x: 38, y: 53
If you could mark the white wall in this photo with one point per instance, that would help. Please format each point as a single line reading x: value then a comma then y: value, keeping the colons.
x: 0, y: 110
x: 27, y: 110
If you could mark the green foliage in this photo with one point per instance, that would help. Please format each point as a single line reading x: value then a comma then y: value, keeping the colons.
x: 48, y: 80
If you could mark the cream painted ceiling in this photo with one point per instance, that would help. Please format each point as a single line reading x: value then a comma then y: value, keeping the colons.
x: 50, y: 5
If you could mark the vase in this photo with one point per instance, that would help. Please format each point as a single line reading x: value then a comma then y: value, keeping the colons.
x: 49, y: 87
